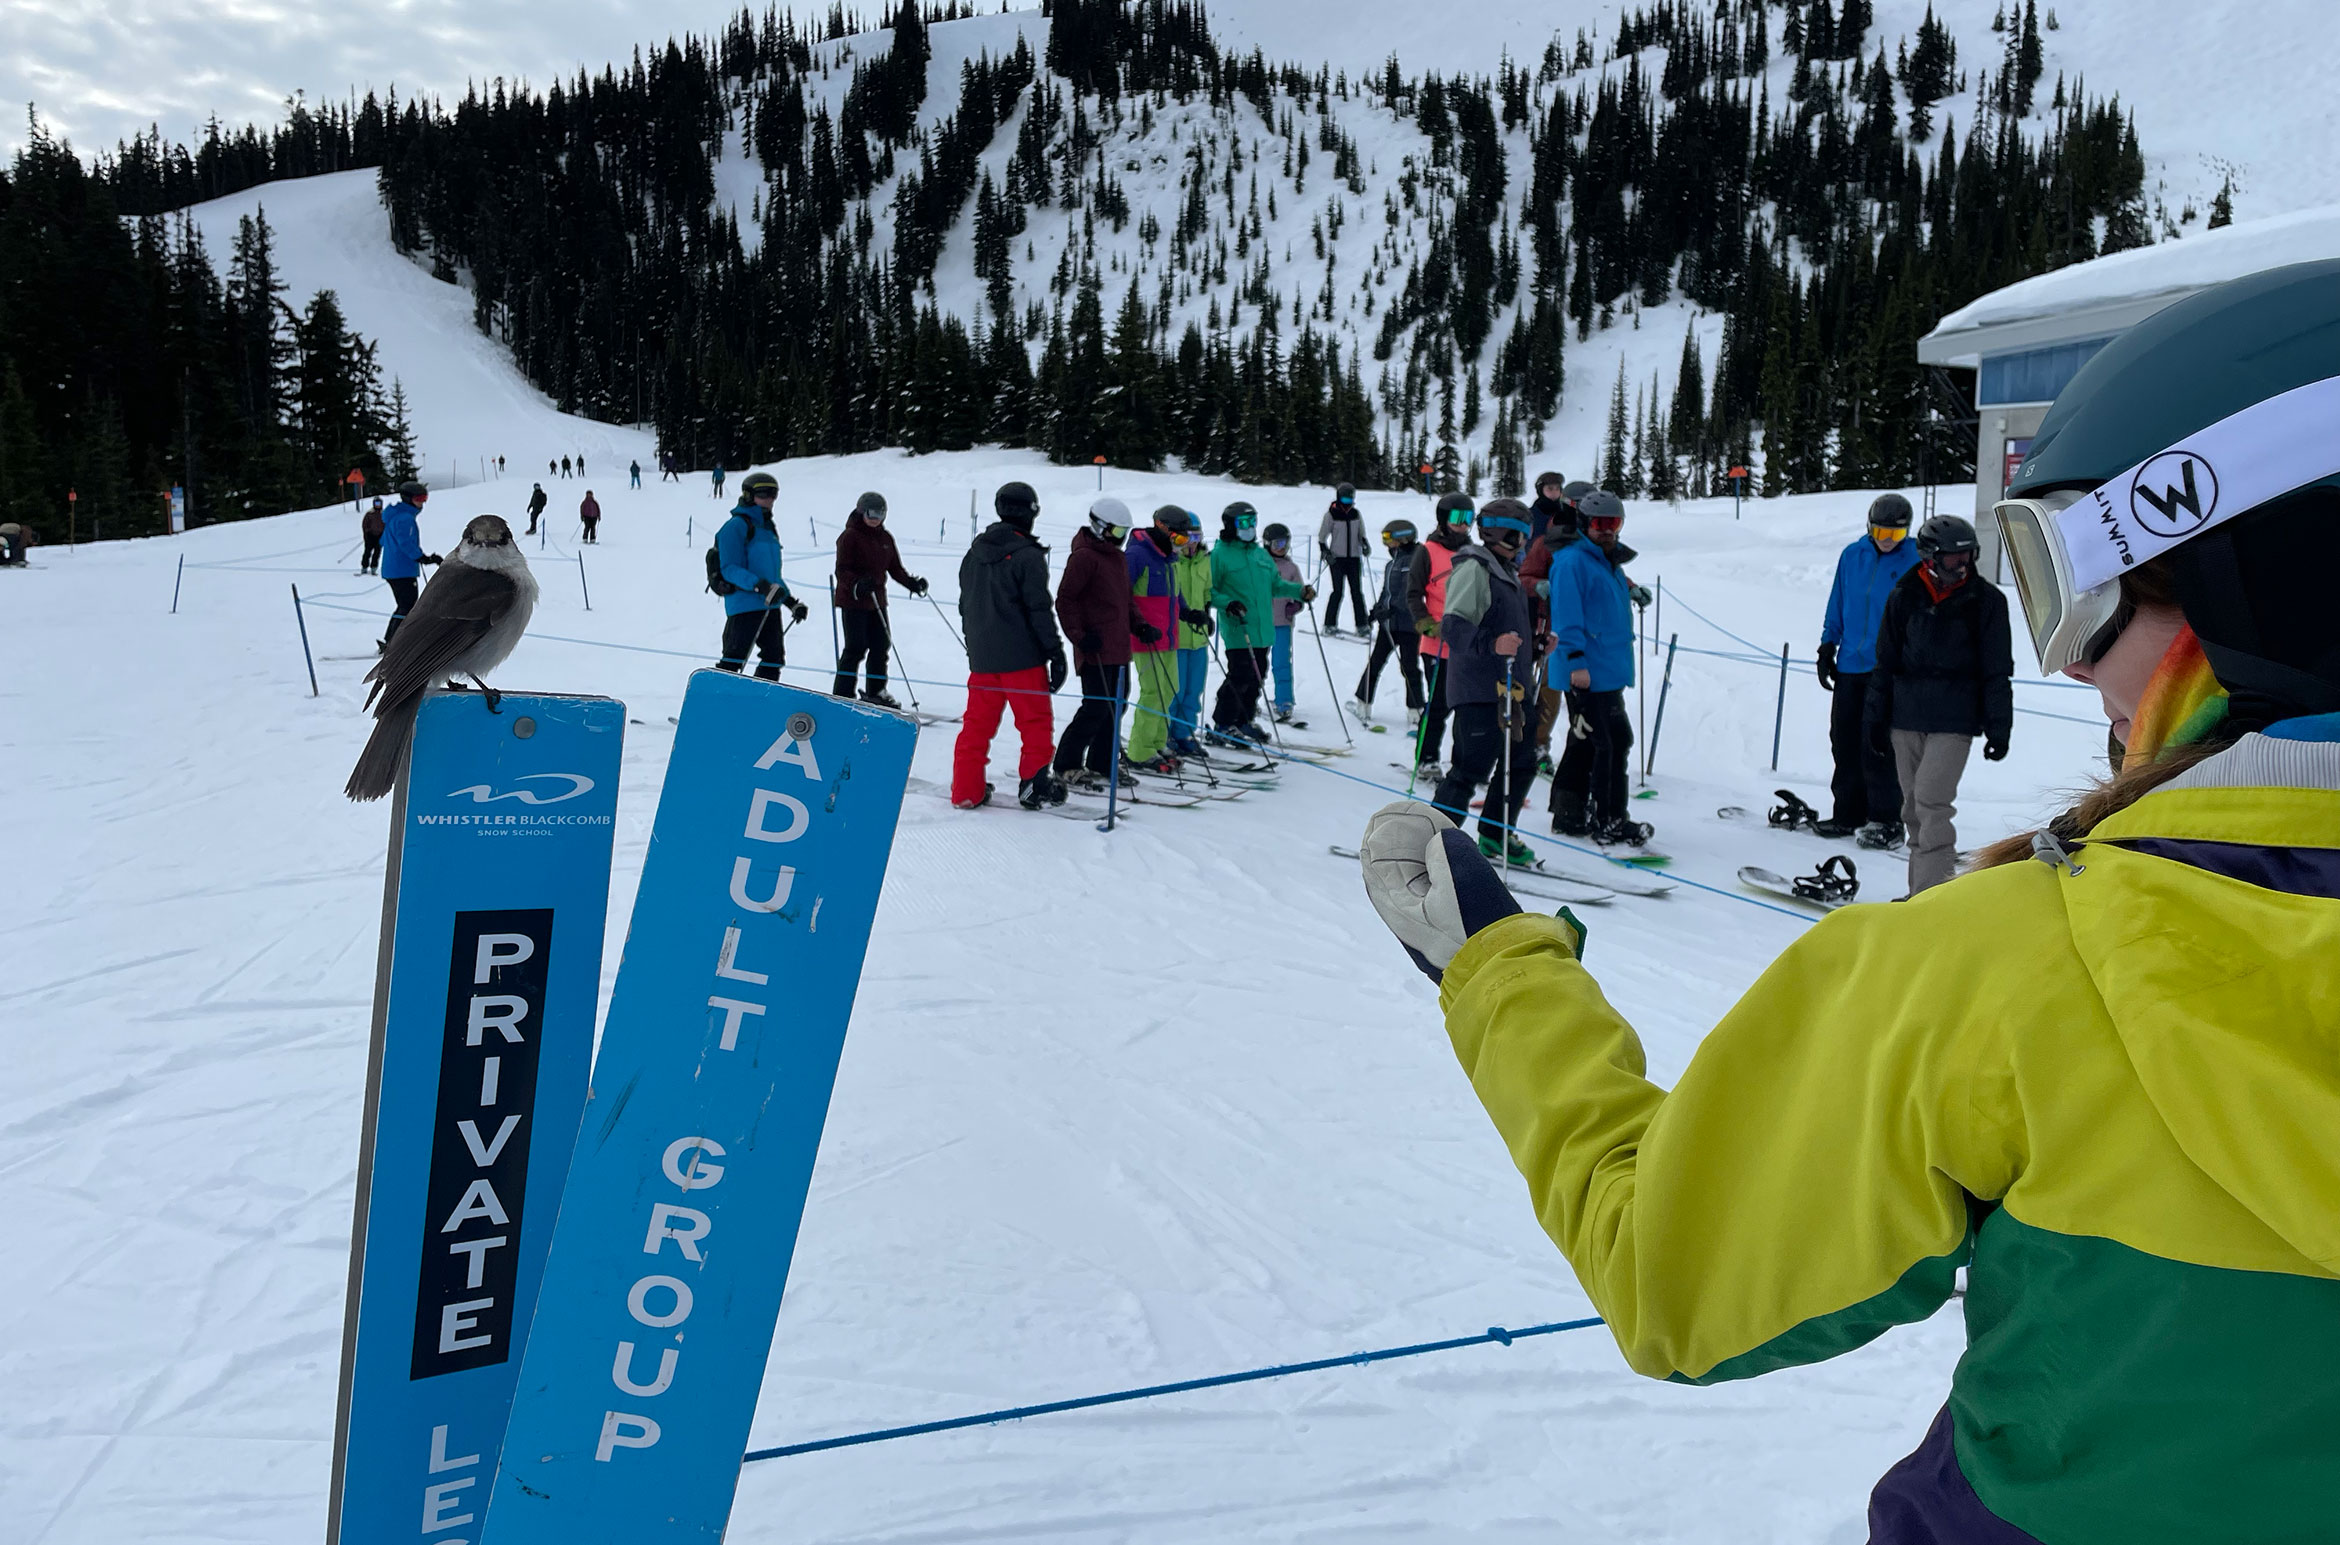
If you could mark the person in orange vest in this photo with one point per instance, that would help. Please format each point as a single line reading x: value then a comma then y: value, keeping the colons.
x: 1426, y: 599
x: 355, y: 482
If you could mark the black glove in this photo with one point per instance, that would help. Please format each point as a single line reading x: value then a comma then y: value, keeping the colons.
x: 1881, y: 738
x: 1195, y: 619
x: 797, y: 609
x: 431, y: 558
x: 917, y: 586
x: 1995, y: 748
x: 1238, y: 611
x: 1144, y: 632
x: 1307, y: 594
x: 1825, y: 667
x: 1057, y: 670
x: 769, y: 590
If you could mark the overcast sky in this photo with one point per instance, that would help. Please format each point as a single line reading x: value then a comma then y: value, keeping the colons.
x: 102, y: 70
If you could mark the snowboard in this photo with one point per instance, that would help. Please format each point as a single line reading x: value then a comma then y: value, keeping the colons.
x: 1779, y: 885
x: 1528, y: 882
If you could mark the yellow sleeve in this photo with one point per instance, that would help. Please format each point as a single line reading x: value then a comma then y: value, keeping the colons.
x: 1804, y: 1188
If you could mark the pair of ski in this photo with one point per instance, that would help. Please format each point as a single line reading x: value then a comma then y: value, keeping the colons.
x: 1547, y: 881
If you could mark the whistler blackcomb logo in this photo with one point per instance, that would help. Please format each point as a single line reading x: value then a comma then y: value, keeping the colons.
x: 2174, y: 494
x: 481, y: 793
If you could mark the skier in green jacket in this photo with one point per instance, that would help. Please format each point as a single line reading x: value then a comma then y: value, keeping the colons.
x: 1244, y: 587
x: 1191, y: 572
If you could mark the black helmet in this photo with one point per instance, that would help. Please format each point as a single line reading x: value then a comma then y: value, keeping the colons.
x: 1455, y: 509
x: 1890, y: 511
x: 1542, y: 478
x: 410, y: 490
x: 1345, y: 494
x: 1016, y: 503
x: 1170, y: 518
x: 2236, y: 557
x: 872, y: 503
x: 1276, y: 532
x: 1398, y: 531
x: 1946, y: 534
x: 757, y: 484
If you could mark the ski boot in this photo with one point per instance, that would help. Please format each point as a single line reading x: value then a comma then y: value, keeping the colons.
x: 1042, y: 788
x: 1834, y: 829
x: 1082, y: 781
x: 1618, y: 831
x: 1362, y: 710
x: 1519, y: 855
x: 1163, y: 766
x: 882, y: 698
x: 1880, y: 836
x: 977, y: 803
x: 1571, y: 816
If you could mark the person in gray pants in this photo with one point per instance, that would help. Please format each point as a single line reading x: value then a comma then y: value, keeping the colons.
x: 1945, y: 673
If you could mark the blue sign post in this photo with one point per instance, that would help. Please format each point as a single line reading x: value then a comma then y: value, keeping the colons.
x: 697, y: 1146
x: 494, y: 908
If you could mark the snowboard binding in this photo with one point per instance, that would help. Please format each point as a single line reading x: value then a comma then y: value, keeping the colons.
x: 1791, y: 813
x: 1827, y: 883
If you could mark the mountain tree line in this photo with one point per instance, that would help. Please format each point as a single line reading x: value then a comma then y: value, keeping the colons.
x: 1828, y: 231
x: 129, y: 364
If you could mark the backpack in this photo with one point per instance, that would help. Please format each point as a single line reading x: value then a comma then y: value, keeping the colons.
x: 715, y: 580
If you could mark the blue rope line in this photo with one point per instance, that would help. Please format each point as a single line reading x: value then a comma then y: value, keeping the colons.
x: 1494, y: 1333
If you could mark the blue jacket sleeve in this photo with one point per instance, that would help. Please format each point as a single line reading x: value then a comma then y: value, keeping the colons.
x: 1568, y: 603
x: 402, y: 539
x: 1832, y: 626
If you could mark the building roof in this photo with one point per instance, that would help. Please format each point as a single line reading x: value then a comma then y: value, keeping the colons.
x: 2108, y: 295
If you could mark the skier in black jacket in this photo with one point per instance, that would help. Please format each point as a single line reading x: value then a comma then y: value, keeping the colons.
x: 1015, y: 657
x: 1945, y: 674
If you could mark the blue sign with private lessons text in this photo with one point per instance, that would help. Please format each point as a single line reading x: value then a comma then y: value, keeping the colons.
x: 494, y: 910
x: 697, y: 1145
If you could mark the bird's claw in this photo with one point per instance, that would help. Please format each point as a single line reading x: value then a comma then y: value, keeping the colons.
x: 495, y: 699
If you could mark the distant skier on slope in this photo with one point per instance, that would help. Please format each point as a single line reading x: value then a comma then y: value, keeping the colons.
x: 2096, y: 1074
x: 747, y: 558
x: 1340, y: 542
x: 1450, y: 532
x: 1093, y: 603
x: 589, y: 516
x: 370, y: 533
x: 1015, y: 660
x: 1865, y: 789
x: 866, y: 555
x: 1393, y: 624
x: 536, y: 504
x: 402, y: 553
x: 466, y: 624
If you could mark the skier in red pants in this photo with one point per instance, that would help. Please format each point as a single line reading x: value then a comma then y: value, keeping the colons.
x: 1015, y: 658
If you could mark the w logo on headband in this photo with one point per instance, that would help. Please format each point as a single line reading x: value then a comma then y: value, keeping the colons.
x: 2174, y: 494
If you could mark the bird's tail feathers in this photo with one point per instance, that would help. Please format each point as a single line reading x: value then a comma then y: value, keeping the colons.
x: 377, y: 766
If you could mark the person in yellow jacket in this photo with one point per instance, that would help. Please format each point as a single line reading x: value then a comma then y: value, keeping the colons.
x: 2100, y: 1071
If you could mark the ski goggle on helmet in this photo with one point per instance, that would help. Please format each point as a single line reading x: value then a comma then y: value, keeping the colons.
x: 1889, y: 517
x: 1601, y: 513
x: 872, y: 508
x: 1397, y: 533
x: 2068, y: 547
x: 1508, y: 516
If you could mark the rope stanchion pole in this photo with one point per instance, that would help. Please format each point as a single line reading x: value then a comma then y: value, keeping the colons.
x: 1779, y: 714
x: 1649, y: 752
x: 581, y: 585
x: 307, y: 658
x: 177, y: 580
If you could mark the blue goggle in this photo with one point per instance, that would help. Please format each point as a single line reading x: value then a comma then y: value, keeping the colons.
x: 1504, y: 523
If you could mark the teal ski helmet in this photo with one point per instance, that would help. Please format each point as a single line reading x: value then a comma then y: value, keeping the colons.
x: 2201, y: 439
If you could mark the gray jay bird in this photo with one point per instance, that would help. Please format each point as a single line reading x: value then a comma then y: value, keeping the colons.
x: 468, y: 622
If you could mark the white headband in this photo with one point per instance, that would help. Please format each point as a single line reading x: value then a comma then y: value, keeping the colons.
x: 2245, y: 459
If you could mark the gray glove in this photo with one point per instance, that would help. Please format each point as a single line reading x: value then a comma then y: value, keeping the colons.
x: 1429, y: 883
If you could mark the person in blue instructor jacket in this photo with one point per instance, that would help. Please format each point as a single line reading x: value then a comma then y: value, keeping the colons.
x: 402, y: 553
x: 1866, y: 790
x: 1592, y: 601
x: 747, y: 551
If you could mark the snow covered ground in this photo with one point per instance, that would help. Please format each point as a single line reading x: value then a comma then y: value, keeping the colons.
x: 1115, y: 1109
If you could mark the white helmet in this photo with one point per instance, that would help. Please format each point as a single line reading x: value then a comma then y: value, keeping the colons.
x: 1110, y: 518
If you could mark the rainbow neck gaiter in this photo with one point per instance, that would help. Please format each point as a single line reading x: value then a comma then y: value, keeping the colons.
x: 2182, y: 703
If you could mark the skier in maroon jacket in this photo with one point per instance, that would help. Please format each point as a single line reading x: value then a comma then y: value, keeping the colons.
x: 866, y: 554
x: 1093, y: 603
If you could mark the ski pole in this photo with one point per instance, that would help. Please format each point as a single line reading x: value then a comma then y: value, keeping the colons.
x: 1317, y: 633
x: 1113, y: 759
x: 946, y: 620
x: 1503, y: 764
x: 1641, y: 688
x: 886, y: 627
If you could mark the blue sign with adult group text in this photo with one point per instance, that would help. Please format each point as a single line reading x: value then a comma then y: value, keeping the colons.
x: 698, y: 1140
x: 494, y: 909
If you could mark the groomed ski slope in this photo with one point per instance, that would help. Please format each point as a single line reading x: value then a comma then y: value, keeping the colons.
x: 1114, y: 1109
